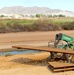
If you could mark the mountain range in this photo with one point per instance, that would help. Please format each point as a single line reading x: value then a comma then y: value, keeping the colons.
x: 34, y: 10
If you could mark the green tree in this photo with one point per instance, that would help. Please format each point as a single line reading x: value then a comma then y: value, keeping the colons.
x: 61, y: 15
x: 38, y: 15
x: 2, y: 16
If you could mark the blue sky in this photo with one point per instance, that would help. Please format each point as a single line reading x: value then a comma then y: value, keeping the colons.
x: 53, y: 4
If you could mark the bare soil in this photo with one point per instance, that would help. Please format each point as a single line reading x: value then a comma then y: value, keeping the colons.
x: 7, y: 67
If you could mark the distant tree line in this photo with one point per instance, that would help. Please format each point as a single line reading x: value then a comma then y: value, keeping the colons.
x: 38, y: 16
x: 49, y: 16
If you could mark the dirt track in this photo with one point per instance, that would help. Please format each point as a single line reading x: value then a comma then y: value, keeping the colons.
x: 27, y: 38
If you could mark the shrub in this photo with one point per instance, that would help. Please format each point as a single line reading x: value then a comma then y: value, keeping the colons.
x: 46, y: 25
x: 37, y: 25
x: 2, y: 28
x: 68, y: 26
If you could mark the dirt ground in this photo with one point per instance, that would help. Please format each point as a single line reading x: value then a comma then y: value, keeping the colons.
x: 29, y: 38
x: 7, y: 67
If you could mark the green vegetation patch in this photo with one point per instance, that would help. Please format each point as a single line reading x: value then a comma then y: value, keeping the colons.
x: 51, y: 24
